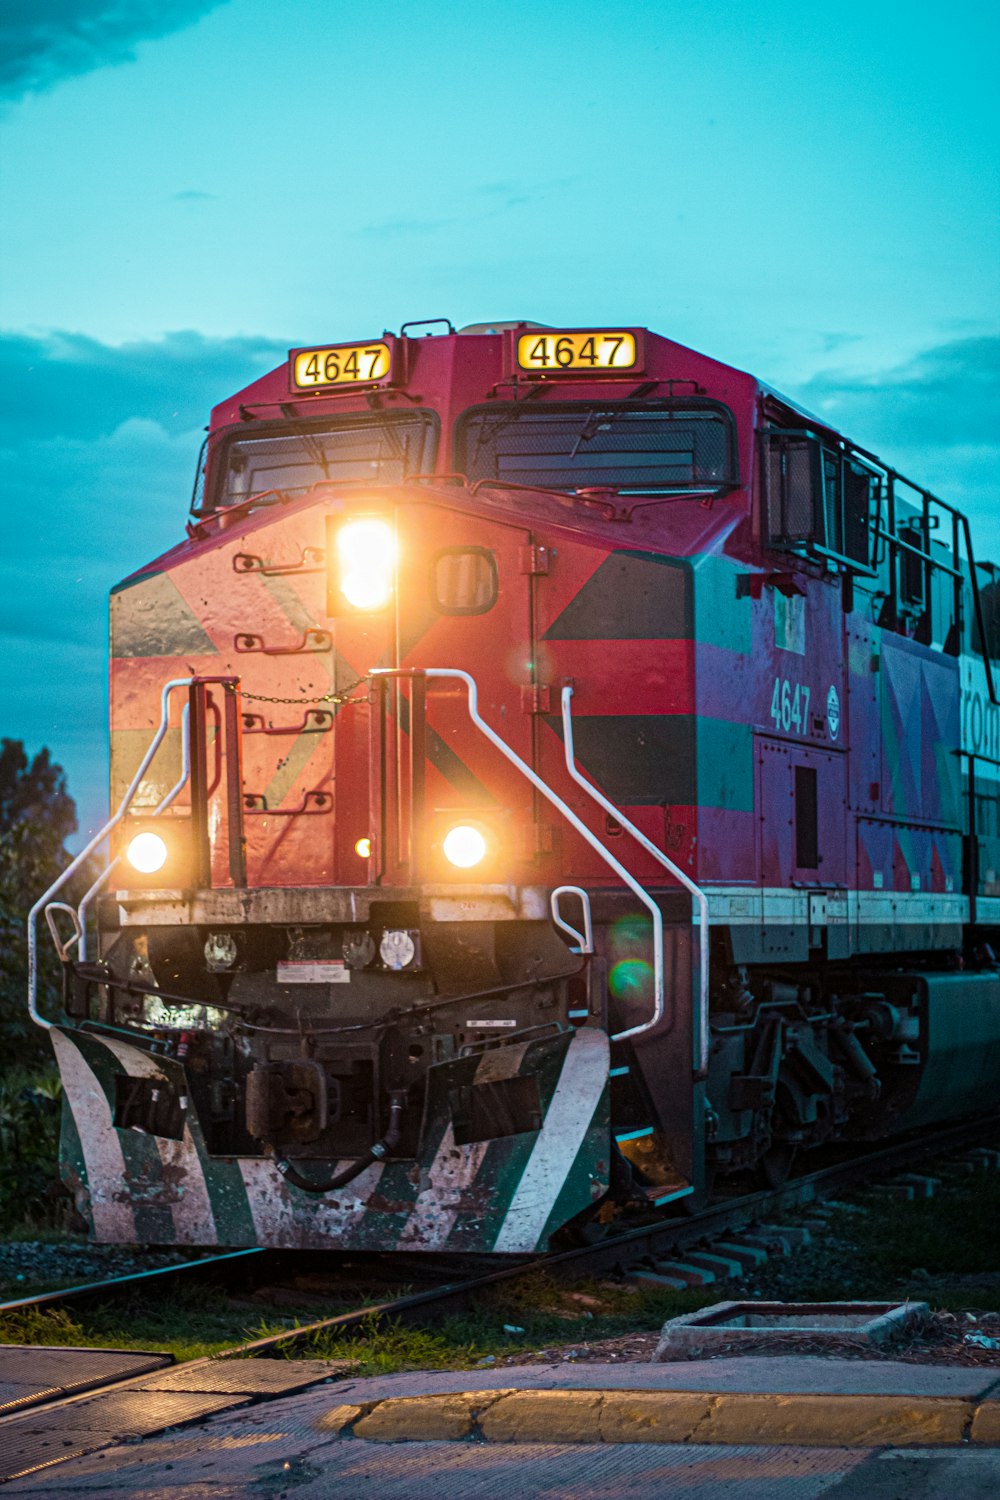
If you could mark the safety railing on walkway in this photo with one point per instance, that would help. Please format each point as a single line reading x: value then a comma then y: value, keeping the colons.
x: 421, y: 675
x: 668, y: 864
x: 194, y: 739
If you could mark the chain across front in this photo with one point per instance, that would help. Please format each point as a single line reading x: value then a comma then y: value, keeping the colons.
x: 341, y: 697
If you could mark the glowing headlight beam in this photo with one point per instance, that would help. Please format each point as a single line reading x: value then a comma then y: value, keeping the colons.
x: 366, y: 557
x: 147, y: 853
x: 464, y: 846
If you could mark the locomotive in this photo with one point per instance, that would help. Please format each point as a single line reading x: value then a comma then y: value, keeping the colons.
x: 553, y: 772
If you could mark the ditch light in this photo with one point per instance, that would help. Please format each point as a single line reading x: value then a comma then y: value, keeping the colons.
x: 157, y: 852
x: 147, y: 853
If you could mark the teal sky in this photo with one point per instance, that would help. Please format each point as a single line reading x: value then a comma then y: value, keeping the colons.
x: 190, y: 188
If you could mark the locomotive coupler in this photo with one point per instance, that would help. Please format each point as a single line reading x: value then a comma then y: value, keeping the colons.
x: 378, y: 1152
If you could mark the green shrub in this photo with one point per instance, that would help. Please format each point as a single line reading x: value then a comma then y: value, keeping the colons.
x: 30, y: 1193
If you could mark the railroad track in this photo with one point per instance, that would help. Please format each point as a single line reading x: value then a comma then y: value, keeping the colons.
x: 226, y: 1378
x: 206, y: 1268
x: 619, y: 1249
x: 619, y: 1252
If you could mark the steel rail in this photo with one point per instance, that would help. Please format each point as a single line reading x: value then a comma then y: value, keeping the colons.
x: 617, y: 1251
x: 626, y: 1249
x: 736, y: 1213
x: 116, y: 1284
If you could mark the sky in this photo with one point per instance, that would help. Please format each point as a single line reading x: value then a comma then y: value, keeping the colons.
x: 188, y: 188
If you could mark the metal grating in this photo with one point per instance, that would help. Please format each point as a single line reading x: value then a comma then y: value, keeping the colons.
x: 381, y: 449
x: 30, y: 1376
x: 55, y: 1432
x: 252, y: 1377
x: 128, y: 1413
x: 25, y: 1453
x: 17, y: 1393
x: 635, y: 449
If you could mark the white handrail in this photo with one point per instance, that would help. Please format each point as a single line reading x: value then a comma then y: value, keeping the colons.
x: 668, y: 864
x: 584, y: 938
x: 581, y: 828
x: 62, y: 946
x: 85, y: 853
x: 175, y: 790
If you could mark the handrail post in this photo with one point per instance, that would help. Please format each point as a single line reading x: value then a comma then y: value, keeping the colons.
x: 377, y: 780
x: 973, y: 863
x: 977, y: 605
x: 234, y: 784
x: 83, y: 909
x: 418, y: 773
x: 584, y: 938
x: 199, y: 783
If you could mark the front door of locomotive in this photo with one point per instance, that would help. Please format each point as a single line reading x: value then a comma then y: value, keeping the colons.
x: 464, y: 603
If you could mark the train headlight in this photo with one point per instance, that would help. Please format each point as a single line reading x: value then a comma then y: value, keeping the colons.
x: 147, y: 853
x: 465, y: 846
x: 156, y: 853
x: 366, y: 563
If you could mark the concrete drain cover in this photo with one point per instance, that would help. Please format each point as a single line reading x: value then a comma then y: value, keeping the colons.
x: 786, y: 1328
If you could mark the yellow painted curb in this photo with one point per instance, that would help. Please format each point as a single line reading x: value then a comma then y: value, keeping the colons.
x: 340, y: 1419
x: 409, y: 1419
x: 536, y: 1416
x: 746, y: 1417
x: 986, y: 1423
x: 837, y: 1421
x: 644, y: 1417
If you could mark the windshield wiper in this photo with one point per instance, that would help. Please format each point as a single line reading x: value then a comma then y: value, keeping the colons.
x: 310, y: 442
x: 596, y: 421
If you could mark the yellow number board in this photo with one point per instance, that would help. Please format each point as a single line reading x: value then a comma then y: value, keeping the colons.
x: 344, y: 364
x: 589, y: 349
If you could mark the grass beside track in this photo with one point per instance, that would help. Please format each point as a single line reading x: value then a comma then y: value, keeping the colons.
x: 187, y: 1322
x: 941, y: 1250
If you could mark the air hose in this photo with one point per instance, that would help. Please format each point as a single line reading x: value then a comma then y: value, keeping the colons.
x: 377, y: 1152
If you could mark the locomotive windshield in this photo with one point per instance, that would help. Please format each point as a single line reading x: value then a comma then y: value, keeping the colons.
x: 657, y: 448
x: 293, y: 456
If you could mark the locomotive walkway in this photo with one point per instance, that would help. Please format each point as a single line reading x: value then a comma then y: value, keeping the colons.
x: 797, y: 1425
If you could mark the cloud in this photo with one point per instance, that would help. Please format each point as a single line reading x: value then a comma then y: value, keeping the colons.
x: 69, y: 386
x: 948, y: 394
x: 831, y: 341
x: 98, y: 452
x: 44, y: 41
x: 936, y: 418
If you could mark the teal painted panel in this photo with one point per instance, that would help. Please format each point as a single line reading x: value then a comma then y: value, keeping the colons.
x: 720, y: 618
x: 151, y: 619
x: 725, y: 764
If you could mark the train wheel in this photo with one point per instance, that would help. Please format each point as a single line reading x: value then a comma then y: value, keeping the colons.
x: 776, y: 1164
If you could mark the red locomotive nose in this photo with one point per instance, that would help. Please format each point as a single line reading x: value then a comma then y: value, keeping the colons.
x: 553, y: 775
